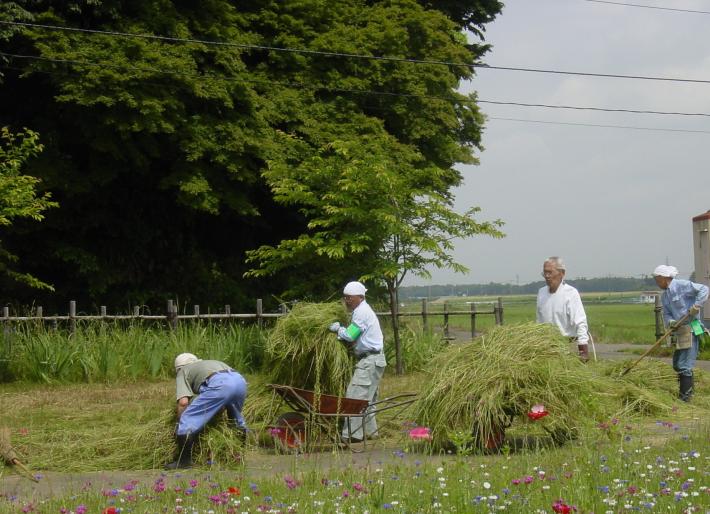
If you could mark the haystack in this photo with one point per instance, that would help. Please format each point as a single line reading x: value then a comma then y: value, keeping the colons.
x: 302, y: 352
x: 481, y: 387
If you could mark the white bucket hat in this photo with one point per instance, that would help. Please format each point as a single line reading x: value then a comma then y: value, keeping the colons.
x: 665, y: 271
x: 184, y: 359
x: 354, y: 289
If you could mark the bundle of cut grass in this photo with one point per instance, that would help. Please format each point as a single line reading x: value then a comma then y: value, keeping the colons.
x: 301, y: 352
x: 649, y: 389
x: 479, y: 388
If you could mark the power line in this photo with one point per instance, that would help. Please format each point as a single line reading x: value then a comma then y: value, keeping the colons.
x: 648, y: 6
x: 299, y: 85
x: 598, y: 125
x: 603, y: 109
x: 352, y: 56
x: 588, y: 74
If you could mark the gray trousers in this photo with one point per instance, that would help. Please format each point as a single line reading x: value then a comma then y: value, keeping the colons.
x: 363, y: 386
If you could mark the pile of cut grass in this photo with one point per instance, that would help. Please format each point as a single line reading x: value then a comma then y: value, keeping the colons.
x: 302, y: 352
x: 482, y: 387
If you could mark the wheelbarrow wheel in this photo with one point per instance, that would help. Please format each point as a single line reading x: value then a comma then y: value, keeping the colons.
x: 289, y: 431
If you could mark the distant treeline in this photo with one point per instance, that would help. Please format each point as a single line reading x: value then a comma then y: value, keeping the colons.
x: 585, y: 285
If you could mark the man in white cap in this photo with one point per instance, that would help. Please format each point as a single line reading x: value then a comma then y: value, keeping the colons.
x: 364, y: 337
x: 680, y: 298
x: 203, y: 389
x: 559, y: 304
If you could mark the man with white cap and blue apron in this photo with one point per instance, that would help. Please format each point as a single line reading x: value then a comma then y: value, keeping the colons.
x: 682, y: 298
x: 212, y: 386
x: 364, y: 337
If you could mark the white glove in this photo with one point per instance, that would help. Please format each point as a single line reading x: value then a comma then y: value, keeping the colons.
x: 334, y: 327
x: 693, y: 311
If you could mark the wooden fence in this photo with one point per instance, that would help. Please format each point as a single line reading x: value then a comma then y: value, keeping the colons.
x: 172, y: 318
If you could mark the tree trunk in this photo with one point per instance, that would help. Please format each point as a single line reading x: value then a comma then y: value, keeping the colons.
x: 394, y: 311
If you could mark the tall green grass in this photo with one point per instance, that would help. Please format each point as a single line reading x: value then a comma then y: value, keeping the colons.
x: 107, y: 352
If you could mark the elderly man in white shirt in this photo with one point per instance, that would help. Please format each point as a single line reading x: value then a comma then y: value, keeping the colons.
x: 559, y: 304
x: 364, y: 337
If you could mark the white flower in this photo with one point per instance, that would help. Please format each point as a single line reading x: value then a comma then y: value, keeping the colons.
x: 486, y: 485
x: 439, y: 469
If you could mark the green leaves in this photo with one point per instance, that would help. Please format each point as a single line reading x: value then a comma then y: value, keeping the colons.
x: 18, y: 193
x: 200, y: 131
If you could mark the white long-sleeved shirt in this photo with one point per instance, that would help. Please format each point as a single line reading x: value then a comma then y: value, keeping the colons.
x: 564, y: 309
x: 370, y: 338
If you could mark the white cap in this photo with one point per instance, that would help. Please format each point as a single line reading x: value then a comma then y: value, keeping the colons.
x: 665, y: 271
x: 184, y: 359
x: 354, y: 289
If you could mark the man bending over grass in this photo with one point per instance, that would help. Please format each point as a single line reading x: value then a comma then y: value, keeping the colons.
x: 212, y: 386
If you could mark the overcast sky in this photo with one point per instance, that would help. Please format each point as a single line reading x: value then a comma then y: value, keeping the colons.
x: 611, y: 201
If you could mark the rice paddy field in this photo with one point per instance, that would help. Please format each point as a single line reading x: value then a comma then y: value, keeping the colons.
x: 91, y: 416
x: 612, y: 317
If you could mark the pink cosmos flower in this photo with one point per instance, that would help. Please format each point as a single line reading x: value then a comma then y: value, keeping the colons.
x: 562, y: 508
x: 538, y: 411
x: 420, y: 433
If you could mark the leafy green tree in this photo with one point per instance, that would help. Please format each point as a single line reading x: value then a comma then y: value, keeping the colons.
x: 159, y: 149
x: 18, y: 193
x: 368, y: 210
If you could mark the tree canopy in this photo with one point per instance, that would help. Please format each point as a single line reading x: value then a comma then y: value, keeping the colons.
x: 166, y: 123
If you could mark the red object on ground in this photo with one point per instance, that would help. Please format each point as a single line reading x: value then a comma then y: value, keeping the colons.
x: 537, y: 412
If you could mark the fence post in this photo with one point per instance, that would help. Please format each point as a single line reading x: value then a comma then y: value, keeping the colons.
x: 171, y: 315
x: 72, y: 316
x: 659, y: 317
x: 39, y: 315
x: 102, y: 311
x: 137, y: 310
x: 259, y: 312
x: 284, y: 309
x: 6, y: 328
x: 197, y: 311
x: 500, y: 310
x: 473, y: 320
x: 425, y: 316
x: 446, y: 319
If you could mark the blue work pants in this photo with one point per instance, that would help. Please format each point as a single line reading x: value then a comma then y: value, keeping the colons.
x: 684, y: 360
x: 222, y: 390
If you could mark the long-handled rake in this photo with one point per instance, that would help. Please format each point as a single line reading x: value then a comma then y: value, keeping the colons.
x: 10, y: 456
x: 655, y: 345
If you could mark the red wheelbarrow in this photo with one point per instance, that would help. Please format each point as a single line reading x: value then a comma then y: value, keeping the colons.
x: 317, y: 412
